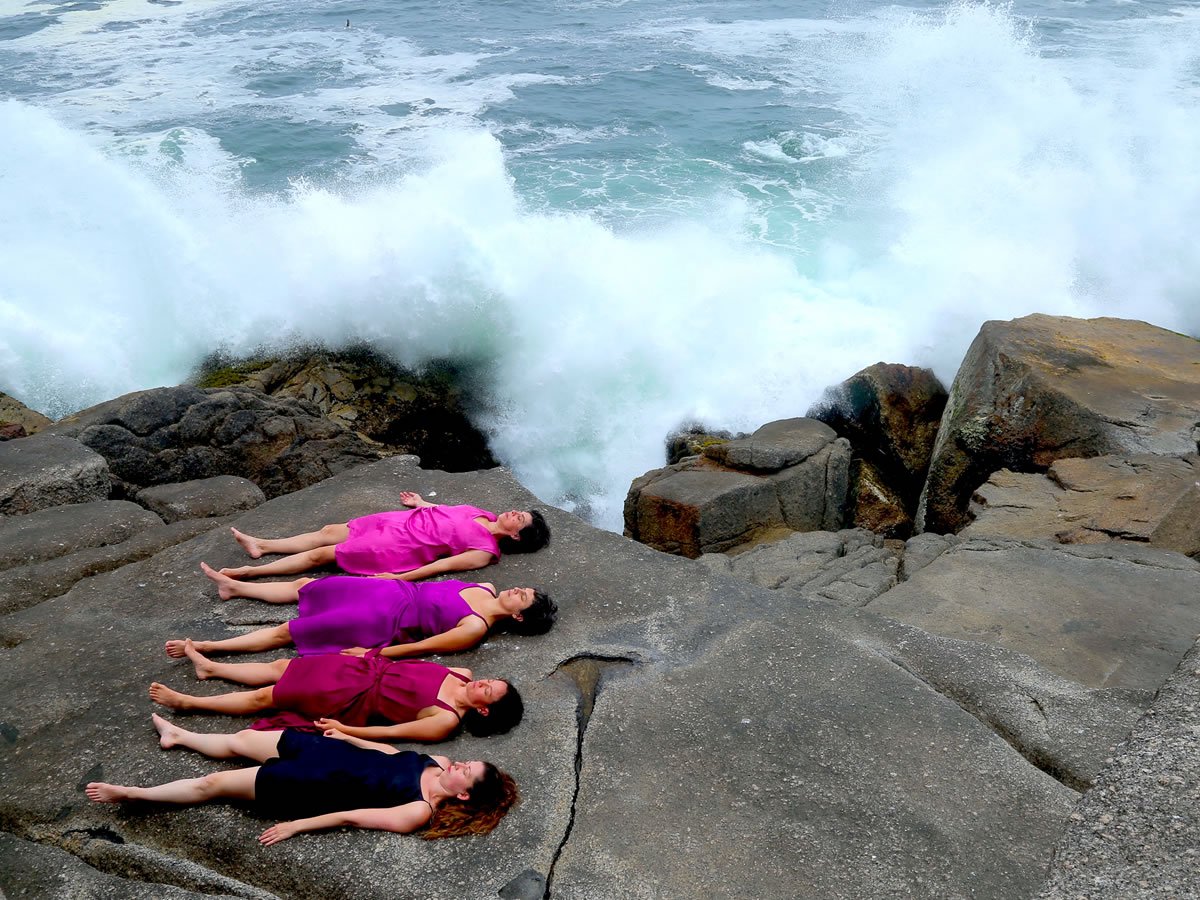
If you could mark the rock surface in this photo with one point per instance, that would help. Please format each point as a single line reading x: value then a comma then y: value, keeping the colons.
x: 61, y: 530
x: 169, y: 435
x: 790, y: 474
x: 47, y: 470
x: 422, y: 413
x: 1110, y: 615
x: 1136, y: 834
x: 1043, y: 388
x: 1146, y: 499
x: 221, y: 495
x: 687, y: 734
x: 14, y: 412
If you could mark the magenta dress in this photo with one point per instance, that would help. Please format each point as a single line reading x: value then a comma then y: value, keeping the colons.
x: 355, y: 690
x: 410, y: 538
x: 344, y: 611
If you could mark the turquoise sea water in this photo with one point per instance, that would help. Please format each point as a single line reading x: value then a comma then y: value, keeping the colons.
x: 623, y: 213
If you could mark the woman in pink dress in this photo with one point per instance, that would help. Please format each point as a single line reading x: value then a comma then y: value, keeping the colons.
x: 344, y: 613
x: 419, y: 700
x: 409, y: 544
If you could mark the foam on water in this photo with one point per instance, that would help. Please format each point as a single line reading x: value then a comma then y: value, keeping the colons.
x: 965, y: 176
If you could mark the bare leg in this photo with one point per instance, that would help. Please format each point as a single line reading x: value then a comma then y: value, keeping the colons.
x: 239, y: 703
x: 289, y: 565
x: 238, y: 784
x: 253, y: 674
x: 262, y: 639
x: 271, y: 592
x: 256, y: 745
x: 256, y: 547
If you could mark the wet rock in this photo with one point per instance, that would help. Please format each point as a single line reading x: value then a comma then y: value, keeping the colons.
x: 47, y: 470
x: 1043, y: 388
x: 874, y: 504
x: 1147, y: 499
x: 221, y: 495
x: 692, y: 440
x: 180, y: 434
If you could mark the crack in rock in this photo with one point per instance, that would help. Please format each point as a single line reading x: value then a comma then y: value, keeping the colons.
x: 589, y: 672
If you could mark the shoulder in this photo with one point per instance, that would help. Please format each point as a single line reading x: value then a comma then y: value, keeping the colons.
x: 466, y: 672
x: 442, y: 761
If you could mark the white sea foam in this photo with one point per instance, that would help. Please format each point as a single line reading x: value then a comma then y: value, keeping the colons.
x: 986, y: 181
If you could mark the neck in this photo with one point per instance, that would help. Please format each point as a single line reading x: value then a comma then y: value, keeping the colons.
x: 486, y: 606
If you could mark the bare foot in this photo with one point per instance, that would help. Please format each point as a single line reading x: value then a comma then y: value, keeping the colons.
x: 169, y: 733
x: 226, y: 586
x: 100, y: 792
x: 249, y: 544
x: 174, y: 649
x: 203, y: 665
x: 164, y: 696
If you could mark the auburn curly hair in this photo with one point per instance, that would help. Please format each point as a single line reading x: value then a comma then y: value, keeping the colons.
x: 491, y: 797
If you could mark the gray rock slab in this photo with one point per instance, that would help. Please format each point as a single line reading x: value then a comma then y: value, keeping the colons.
x: 774, y: 446
x: 1110, y: 615
x: 759, y: 770
x: 1149, y: 499
x: 221, y: 495
x: 644, y: 683
x: 44, y: 872
x: 29, y: 585
x: 46, y: 470
x: 1136, y: 834
x: 60, y: 530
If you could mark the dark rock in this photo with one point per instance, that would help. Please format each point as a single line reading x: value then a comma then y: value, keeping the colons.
x: 10, y: 431
x: 1147, y: 499
x: 1109, y: 615
x: 1043, y: 388
x: 890, y: 414
x: 181, y: 434
x: 61, y: 530
x: 424, y: 413
x: 47, y: 470
x: 874, y: 504
x: 691, y: 440
x: 219, y: 496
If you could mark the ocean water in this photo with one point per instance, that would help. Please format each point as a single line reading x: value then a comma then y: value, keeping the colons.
x: 625, y: 214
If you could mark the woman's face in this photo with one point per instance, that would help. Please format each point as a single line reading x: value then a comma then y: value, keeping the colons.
x: 482, y: 694
x: 459, y: 777
x: 516, y: 600
x: 514, y: 520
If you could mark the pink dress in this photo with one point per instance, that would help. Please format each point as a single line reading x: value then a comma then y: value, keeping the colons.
x: 344, y: 611
x: 355, y: 690
x: 410, y: 538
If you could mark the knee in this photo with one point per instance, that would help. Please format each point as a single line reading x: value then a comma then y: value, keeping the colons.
x: 210, y: 786
x: 239, y: 743
x: 333, y: 531
x: 264, y: 698
x: 323, y: 555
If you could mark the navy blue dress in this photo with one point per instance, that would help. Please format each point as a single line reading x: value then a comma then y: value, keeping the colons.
x: 314, y: 775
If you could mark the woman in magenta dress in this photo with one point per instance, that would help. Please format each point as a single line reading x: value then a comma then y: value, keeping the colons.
x: 344, y: 613
x: 330, y: 781
x: 420, y: 700
x: 409, y: 544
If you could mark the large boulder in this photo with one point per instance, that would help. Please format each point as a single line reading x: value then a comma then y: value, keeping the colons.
x: 425, y: 413
x: 61, y: 530
x: 167, y: 435
x: 1043, y: 388
x: 790, y: 474
x: 687, y: 734
x: 890, y: 414
x: 1146, y: 499
x: 221, y: 495
x: 47, y: 470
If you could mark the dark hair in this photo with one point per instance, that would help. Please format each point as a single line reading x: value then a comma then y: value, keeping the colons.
x: 532, y: 537
x: 502, y: 715
x: 487, y: 801
x: 537, y: 618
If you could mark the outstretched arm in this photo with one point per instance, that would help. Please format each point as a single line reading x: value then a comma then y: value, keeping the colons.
x: 413, y: 500
x: 400, y: 819
x: 331, y: 732
x: 430, y: 728
x: 461, y: 637
x: 460, y: 562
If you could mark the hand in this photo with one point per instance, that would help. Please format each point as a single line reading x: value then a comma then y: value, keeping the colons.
x: 336, y: 735
x: 411, y: 499
x: 355, y: 651
x: 329, y: 724
x: 277, y: 833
